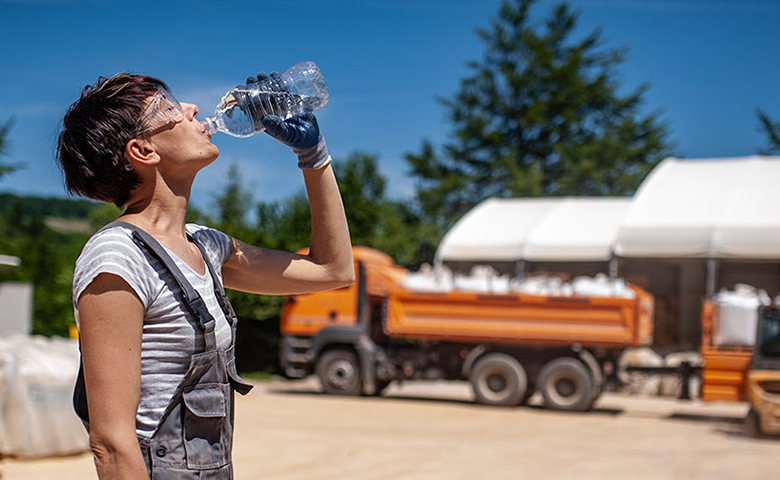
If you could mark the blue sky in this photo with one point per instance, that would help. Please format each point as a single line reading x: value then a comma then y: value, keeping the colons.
x: 709, y: 65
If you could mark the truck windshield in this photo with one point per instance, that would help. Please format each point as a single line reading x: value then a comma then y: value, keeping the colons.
x: 769, y: 336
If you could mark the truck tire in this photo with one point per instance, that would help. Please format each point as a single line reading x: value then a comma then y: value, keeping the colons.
x: 498, y: 379
x: 566, y: 384
x: 339, y: 372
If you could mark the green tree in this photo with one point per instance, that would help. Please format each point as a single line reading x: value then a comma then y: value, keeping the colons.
x: 234, y: 204
x: 540, y: 114
x: 285, y: 225
x: 362, y: 189
x: 374, y: 220
x: 257, y: 341
x: 5, y: 168
x: 377, y: 221
x: 47, y: 258
x: 102, y: 214
x: 771, y: 129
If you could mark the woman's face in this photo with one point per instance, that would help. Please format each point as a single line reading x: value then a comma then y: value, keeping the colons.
x: 184, y: 143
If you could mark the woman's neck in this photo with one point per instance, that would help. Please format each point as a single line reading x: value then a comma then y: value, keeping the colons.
x: 161, y: 212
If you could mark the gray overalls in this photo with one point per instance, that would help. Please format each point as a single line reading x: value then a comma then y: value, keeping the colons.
x: 194, y: 438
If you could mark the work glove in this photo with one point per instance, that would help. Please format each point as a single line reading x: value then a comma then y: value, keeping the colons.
x: 300, y: 132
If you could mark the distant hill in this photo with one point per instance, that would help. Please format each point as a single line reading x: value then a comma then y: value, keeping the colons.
x: 65, y: 208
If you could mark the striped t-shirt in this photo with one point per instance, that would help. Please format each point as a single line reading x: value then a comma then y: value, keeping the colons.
x: 170, y: 334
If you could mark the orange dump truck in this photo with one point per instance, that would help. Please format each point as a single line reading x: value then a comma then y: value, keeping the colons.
x: 359, y: 339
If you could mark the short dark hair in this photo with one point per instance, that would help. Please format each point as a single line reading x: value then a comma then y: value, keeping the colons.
x: 95, y: 132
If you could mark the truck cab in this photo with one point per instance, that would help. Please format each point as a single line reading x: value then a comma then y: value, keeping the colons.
x: 763, y: 379
x: 337, y: 319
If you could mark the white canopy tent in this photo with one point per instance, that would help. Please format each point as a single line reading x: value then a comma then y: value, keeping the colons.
x: 494, y: 230
x: 577, y: 229
x: 708, y: 209
x: 535, y: 229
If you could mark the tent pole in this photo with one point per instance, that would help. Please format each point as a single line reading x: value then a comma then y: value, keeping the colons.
x: 712, y: 271
x: 613, y: 267
x: 520, y: 269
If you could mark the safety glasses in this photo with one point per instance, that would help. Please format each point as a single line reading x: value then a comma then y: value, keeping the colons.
x: 162, y: 110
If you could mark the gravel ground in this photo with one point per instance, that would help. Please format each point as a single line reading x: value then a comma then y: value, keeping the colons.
x: 286, y: 430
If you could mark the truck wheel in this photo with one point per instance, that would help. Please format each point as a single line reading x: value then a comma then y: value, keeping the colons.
x: 565, y: 384
x: 498, y: 379
x: 339, y: 373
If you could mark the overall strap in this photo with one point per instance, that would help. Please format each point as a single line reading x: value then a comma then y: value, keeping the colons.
x: 219, y: 290
x: 192, y: 298
x: 238, y: 383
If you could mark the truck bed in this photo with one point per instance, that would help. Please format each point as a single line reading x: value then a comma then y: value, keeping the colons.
x: 521, y: 319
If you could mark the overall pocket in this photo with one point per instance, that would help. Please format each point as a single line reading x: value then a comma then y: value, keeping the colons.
x: 207, y: 430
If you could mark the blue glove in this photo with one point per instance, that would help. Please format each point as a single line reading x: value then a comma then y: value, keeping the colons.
x: 300, y: 132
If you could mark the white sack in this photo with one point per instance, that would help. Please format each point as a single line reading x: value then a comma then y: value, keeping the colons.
x: 429, y: 279
x: 737, y: 317
x: 647, y: 384
x: 601, y: 286
x: 485, y: 279
x: 482, y: 279
x: 548, y: 285
x: 37, y: 376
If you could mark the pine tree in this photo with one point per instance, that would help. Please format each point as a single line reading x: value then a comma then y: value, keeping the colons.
x: 5, y: 168
x: 772, y: 131
x: 540, y: 114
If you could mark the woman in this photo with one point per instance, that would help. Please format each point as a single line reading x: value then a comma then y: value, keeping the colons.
x: 158, y: 375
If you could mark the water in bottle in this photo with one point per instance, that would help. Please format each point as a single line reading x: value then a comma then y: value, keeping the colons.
x: 301, y: 88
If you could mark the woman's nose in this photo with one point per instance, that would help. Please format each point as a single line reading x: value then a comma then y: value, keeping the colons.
x: 191, y: 110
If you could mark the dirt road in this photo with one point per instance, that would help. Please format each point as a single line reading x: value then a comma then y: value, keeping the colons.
x: 288, y: 431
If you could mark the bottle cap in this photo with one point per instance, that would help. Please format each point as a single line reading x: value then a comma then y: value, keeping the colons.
x: 209, y: 124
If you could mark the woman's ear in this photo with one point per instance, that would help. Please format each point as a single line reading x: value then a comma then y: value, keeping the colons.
x: 141, y: 152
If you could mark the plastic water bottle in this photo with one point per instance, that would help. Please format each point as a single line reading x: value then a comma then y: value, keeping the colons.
x: 301, y: 88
